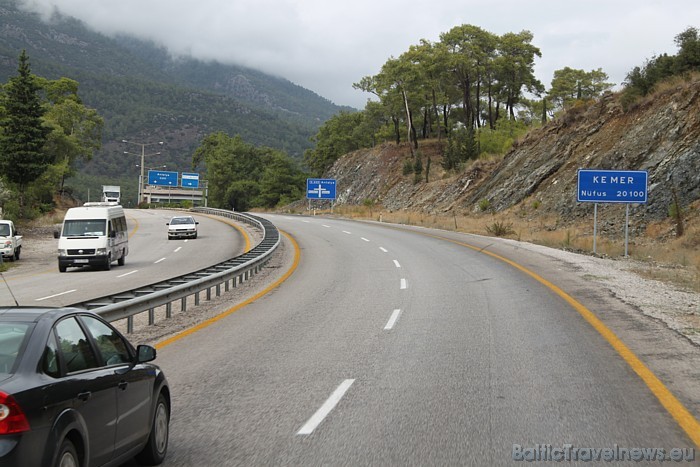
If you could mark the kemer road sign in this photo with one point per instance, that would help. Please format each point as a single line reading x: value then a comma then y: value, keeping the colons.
x: 612, y: 186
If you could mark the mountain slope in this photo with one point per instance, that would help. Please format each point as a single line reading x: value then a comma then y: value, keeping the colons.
x: 145, y: 95
x: 660, y: 134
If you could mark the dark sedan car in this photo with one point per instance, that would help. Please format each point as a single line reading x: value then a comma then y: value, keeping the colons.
x: 75, y: 392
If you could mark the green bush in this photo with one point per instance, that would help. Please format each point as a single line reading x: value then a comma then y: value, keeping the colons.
x: 500, y: 229
x: 484, y: 204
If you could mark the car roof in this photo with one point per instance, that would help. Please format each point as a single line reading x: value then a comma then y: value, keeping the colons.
x: 182, y: 217
x: 33, y: 313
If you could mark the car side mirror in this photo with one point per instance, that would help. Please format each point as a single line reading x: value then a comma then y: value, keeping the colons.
x: 56, y: 234
x: 112, y: 233
x: 145, y: 353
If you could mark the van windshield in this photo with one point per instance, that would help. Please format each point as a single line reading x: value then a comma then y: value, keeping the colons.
x: 84, y: 228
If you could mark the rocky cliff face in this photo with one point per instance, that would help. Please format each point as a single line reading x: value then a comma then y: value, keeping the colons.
x: 660, y: 134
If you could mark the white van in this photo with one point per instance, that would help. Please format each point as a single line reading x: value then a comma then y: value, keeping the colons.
x: 93, y: 234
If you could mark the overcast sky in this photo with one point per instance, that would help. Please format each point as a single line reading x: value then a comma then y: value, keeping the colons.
x: 327, y: 45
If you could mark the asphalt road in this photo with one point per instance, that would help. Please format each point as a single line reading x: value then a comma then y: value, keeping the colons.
x: 390, y: 347
x: 152, y: 257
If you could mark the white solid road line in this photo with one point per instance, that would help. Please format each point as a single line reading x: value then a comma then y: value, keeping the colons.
x: 404, y: 285
x: 55, y: 295
x: 392, y: 320
x: 128, y: 273
x: 397, y: 264
x: 326, y: 408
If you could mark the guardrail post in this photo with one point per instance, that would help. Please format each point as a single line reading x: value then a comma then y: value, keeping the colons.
x: 151, y: 316
x: 218, y: 290
x: 208, y: 293
x: 196, y: 299
x: 168, y: 310
x: 129, y: 324
x: 183, y: 304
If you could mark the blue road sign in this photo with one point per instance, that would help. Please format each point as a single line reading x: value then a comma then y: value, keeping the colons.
x: 612, y: 186
x: 189, y: 180
x: 320, y: 188
x: 158, y: 177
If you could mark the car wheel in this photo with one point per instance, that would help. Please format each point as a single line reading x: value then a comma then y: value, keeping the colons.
x: 195, y: 235
x: 67, y: 455
x: 122, y: 259
x: 17, y: 252
x: 62, y: 268
x: 157, y: 446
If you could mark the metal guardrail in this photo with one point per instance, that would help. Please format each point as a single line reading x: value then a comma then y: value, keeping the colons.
x: 164, y: 293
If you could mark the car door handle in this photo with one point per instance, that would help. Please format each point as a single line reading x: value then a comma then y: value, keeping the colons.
x: 122, y: 385
x: 84, y: 396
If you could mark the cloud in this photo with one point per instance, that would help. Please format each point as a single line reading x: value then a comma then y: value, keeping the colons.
x: 326, y: 46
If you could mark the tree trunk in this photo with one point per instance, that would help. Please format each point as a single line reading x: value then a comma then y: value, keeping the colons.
x: 396, y: 130
x: 409, y: 121
x: 437, y: 116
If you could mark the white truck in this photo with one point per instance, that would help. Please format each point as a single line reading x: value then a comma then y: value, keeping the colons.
x: 111, y: 194
x: 10, y: 242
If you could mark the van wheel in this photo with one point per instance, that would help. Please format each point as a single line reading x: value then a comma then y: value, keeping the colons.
x: 108, y: 263
x: 122, y: 259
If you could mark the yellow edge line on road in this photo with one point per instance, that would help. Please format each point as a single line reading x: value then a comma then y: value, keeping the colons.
x: 240, y: 229
x: 210, y: 321
x: 677, y: 410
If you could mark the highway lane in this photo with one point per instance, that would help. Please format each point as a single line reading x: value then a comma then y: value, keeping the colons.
x: 152, y: 257
x: 390, y: 348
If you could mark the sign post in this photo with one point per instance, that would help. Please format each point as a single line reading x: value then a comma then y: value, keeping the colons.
x: 612, y: 186
x: 320, y: 188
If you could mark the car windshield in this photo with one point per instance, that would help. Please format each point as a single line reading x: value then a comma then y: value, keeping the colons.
x: 181, y: 220
x: 84, y: 228
x: 11, y: 337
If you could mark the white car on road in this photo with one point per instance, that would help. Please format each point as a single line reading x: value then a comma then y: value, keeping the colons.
x: 182, y: 227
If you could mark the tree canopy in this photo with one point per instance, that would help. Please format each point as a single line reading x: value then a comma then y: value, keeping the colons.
x: 242, y: 176
x: 44, y: 130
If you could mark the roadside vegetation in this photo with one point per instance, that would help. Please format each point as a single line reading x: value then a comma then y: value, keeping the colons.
x: 473, y: 91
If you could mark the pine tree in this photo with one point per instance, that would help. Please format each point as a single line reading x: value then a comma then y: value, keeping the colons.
x: 22, y: 159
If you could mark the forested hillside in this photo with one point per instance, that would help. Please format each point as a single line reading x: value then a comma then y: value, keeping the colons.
x: 145, y: 95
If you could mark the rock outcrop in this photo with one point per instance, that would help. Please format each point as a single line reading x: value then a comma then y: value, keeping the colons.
x: 659, y: 134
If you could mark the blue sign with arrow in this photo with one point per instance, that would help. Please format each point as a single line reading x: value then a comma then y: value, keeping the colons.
x: 190, y: 180
x: 320, y: 188
x: 162, y: 178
